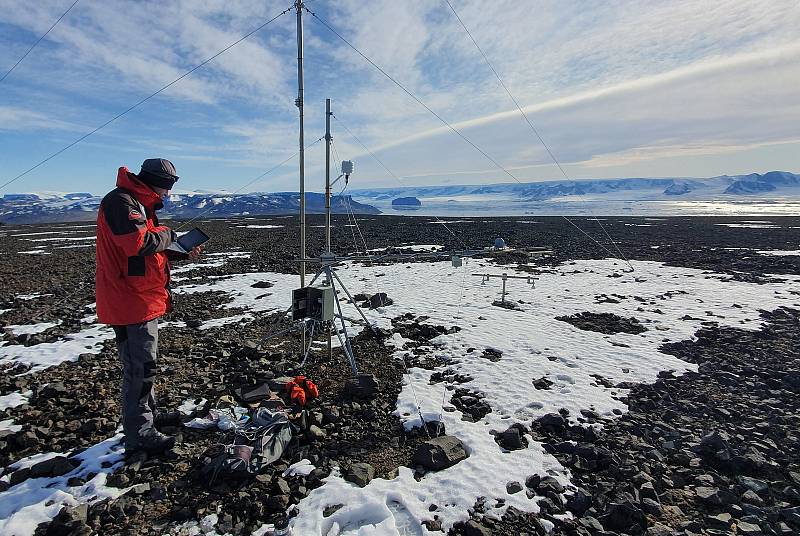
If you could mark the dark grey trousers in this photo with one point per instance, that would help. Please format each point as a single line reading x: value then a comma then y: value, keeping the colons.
x: 137, y: 345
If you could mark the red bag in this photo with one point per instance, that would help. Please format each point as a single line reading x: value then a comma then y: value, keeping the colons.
x: 301, y: 389
x: 298, y: 395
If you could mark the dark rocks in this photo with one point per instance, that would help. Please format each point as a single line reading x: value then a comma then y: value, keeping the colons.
x: 360, y: 474
x: 658, y: 441
x: 20, y: 475
x: 330, y: 510
x: 748, y: 529
x: 362, y: 386
x: 791, y: 516
x: 579, y: 502
x: 473, y: 528
x: 379, y: 300
x: 69, y: 521
x: 492, y: 354
x: 513, y: 487
x: 440, y: 453
x: 56, y: 466
x: 542, y: 383
x: 316, y: 432
x: 512, y: 438
x: 719, y: 521
x: 607, y: 323
x: 471, y: 404
x: 549, y: 484
x: 118, y: 480
x: 715, y: 496
x: 624, y: 517
x: 552, y: 422
x: 532, y: 481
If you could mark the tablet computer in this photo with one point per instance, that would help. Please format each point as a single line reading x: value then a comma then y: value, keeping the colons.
x: 185, y: 243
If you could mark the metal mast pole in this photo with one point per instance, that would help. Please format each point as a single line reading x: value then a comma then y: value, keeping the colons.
x: 299, y: 103
x: 327, y: 175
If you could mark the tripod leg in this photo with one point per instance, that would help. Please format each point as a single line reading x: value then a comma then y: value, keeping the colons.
x: 310, y: 342
x: 348, y: 349
x: 369, y: 324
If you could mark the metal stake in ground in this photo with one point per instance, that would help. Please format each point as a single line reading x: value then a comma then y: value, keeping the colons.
x: 528, y: 278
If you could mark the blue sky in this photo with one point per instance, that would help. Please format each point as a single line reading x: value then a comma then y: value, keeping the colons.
x: 629, y: 88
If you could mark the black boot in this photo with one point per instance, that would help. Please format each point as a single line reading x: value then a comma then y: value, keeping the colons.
x: 168, y: 418
x: 153, y: 443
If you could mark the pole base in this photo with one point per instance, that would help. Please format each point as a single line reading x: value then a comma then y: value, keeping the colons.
x: 362, y: 386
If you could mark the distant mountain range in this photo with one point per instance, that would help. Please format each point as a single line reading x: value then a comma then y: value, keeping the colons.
x: 541, y: 191
x: 56, y: 207
x: 506, y: 198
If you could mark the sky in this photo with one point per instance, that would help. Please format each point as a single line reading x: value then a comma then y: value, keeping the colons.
x: 616, y: 89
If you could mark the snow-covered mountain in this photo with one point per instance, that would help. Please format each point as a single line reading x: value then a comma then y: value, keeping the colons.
x: 53, y: 207
x: 665, y: 195
x: 607, y: 195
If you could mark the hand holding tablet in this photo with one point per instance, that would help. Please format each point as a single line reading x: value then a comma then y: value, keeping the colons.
x: 185, y: 243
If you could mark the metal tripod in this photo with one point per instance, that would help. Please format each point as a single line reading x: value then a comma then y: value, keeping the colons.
x: 337, y: 325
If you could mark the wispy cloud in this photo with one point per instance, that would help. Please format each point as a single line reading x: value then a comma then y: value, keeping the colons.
x: 609, y: 84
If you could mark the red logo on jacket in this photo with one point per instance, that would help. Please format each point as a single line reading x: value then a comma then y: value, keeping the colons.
x: 134, y: 215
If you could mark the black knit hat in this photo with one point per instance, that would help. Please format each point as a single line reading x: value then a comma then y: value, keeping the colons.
x: 158, y: 172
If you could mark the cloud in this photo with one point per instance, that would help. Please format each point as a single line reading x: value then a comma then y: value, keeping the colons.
x: 20, y: 119
x: 609, y: 85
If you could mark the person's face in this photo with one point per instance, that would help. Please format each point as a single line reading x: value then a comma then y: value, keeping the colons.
x: 162, y: 192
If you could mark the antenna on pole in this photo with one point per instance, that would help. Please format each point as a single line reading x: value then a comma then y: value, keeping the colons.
x: 328, y: 176
x: 299, y: 103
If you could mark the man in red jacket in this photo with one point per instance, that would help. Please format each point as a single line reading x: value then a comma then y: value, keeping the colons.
x: 132, y: 289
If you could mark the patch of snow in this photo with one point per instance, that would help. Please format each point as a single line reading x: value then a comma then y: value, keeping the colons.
x: 533, y: 344
x: 75, y: 246
x: 61, y: 238
x: 302, y: 468
x: 190, y: 405
x: 34, y: 252
x: 217, y: 322
x: 780, y: 252
x: 31, y: 329
x: 31, y: 296
x: 231, y: 255
x: 8, y: 424
x: 421, y: 247
x: 397, y: 340
x: 261, y: 226
x: 15, y: 235
x: 12, y: 400
x: 749, y: 225
x: 50, y: 354
x: 38, y: 500
x: 213, y: 263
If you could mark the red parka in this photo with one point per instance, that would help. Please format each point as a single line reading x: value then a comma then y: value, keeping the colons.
x: 132, y: 277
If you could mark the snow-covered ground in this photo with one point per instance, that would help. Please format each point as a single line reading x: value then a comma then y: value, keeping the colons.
x: 30, y: 329
x: 49, y: 354
x: 670, y: 302
x: 36, y: 500
x: 534, y: 344
x: 12, y: 400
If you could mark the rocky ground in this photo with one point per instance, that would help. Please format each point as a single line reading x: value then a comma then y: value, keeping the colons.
x: 712, y: 452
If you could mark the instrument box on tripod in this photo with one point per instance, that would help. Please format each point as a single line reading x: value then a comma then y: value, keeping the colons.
x: 316, y: 303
